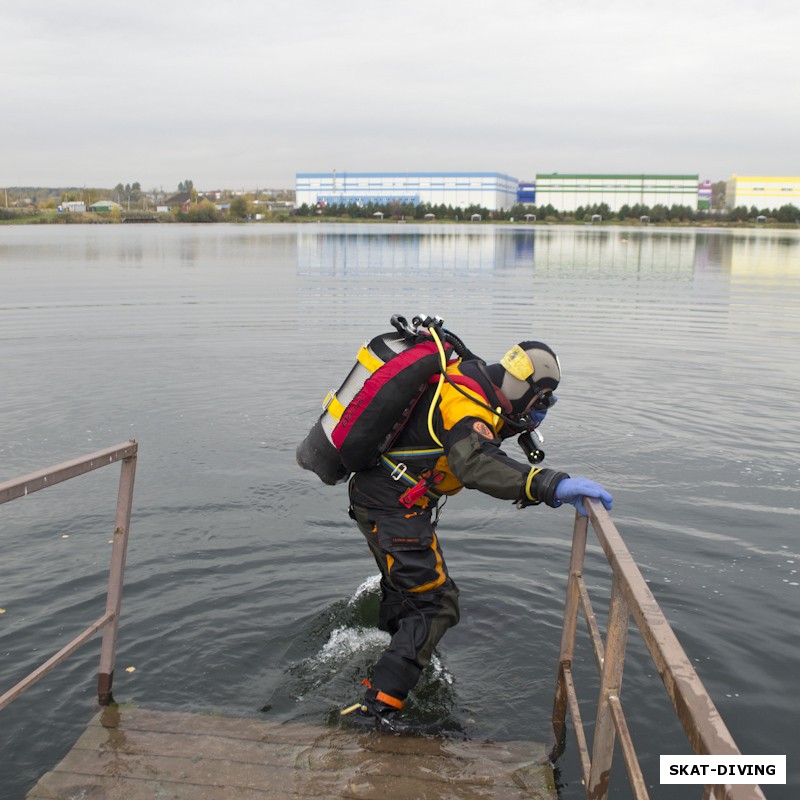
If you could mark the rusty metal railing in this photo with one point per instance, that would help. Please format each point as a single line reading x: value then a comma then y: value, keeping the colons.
x: 109, y: 621
x: 630, y: 597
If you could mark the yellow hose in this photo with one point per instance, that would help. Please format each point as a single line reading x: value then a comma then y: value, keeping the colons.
x: 438, y: 392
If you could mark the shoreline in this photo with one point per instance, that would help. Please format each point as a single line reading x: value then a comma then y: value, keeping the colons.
x: 96, y: 219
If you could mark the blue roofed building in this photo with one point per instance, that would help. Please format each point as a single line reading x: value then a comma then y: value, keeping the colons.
x: 526, y: 193
x: 491, y: 190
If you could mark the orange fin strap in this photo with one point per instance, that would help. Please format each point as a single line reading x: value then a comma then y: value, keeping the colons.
x: 389, y: 700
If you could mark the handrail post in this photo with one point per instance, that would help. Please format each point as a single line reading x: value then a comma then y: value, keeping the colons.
x: 576, y: 562
x: 116, y: 574
x: 610, y: 684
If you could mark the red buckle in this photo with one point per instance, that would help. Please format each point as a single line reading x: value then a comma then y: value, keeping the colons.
x: 412, y: 494
x: 420, y: 489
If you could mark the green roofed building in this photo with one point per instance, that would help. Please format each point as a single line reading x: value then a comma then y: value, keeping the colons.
x: 104, y: 206
x: 569, y: 192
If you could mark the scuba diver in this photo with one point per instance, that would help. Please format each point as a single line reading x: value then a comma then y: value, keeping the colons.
x: 451, y: 438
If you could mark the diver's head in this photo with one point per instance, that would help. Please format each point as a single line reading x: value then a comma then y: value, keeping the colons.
x: 527, y: 375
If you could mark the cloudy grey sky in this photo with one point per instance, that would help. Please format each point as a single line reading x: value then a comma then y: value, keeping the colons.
x: 245, y: 93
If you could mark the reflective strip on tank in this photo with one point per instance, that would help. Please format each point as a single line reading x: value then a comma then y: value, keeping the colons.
x: 353, y: 383
x: 369, y: 360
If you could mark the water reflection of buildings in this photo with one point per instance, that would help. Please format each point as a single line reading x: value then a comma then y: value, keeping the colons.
x: 761, y: 252
x: 452, y: 251
x: 409, y: 250
x: 458, y: 251
x: 621, y: 250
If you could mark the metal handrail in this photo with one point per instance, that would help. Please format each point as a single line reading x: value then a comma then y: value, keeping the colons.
x: 630, y: 597
x: 109, y: 621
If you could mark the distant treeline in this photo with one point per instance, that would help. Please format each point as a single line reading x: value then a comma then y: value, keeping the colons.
x: 547, y: 213
x: 242, y: 208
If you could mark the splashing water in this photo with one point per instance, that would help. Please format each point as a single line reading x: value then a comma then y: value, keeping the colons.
x: 367, y: 587
x: 345, y: 642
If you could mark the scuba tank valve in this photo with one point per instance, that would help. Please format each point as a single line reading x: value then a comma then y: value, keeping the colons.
x: 418, y: 329
x: 427, y: 322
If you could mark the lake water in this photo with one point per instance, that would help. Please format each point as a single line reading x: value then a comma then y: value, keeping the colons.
x: 249, y: 590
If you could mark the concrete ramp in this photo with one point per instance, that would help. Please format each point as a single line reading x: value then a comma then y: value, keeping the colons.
x: 132, y: 754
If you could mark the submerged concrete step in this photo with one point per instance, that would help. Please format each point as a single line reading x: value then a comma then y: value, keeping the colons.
x: 133, y: 754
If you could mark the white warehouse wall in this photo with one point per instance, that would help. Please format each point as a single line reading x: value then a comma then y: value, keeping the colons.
x: 568, y: 192
x: 491, y: 190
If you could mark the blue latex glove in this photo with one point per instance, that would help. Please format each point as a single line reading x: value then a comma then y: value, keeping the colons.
x: 538, y: 416
x: 573, y: 490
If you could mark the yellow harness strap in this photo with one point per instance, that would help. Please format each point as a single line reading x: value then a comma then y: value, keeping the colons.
x: 333, y: 406
x: 370, y: 362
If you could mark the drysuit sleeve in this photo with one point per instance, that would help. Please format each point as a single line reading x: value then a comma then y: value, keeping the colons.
x: 476, y: 459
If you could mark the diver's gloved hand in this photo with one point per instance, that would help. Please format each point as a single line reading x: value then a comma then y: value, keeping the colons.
x: 538, y: 416
x: 573, y: 490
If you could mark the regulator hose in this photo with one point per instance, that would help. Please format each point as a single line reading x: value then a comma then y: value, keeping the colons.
x: 517, y: 426
x: 458, y: 345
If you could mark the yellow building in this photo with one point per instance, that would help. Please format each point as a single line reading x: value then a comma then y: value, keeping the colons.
x: 762, y: 191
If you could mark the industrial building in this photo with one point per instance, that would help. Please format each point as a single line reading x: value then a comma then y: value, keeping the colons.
x: 490, y: 190
x: 705, y: 195
x: 569, y: 192
x: 526, y: 192
x: 762, y: 192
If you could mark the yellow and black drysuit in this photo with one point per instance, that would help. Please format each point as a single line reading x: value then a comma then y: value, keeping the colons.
x: 419, y: 600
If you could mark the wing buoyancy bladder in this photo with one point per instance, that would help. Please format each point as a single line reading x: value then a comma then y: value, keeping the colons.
x: 369, y: 409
